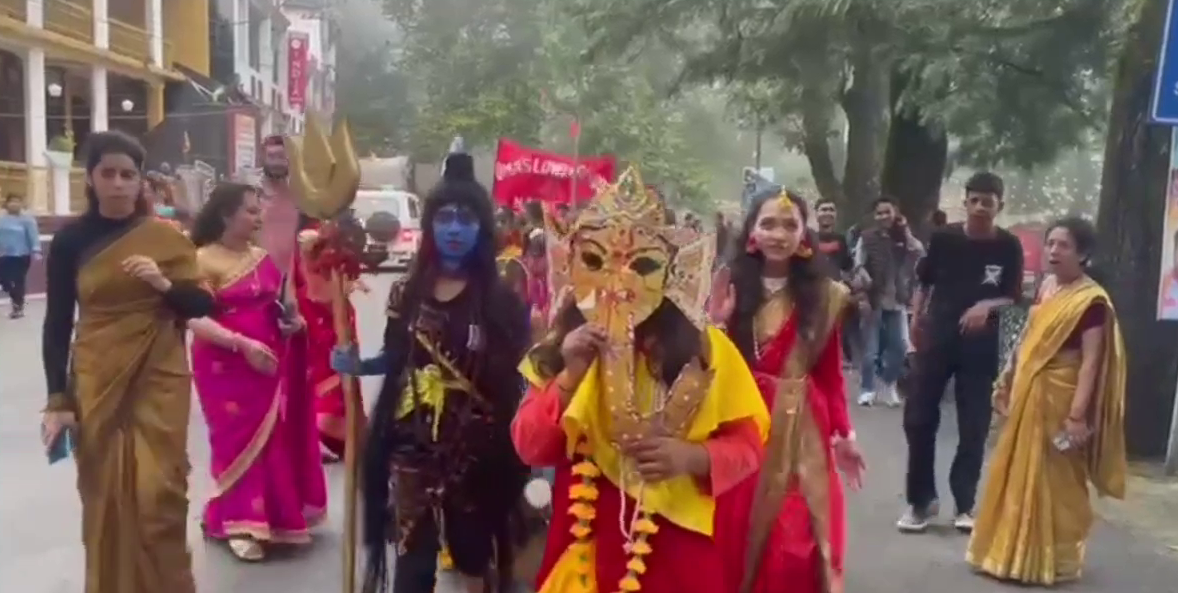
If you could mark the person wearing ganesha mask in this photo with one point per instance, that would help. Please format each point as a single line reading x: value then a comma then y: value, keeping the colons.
x: 648, y: 414
x: 784, y: 530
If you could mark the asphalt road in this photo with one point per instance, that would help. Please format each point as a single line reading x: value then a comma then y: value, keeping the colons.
x: 40, y: 548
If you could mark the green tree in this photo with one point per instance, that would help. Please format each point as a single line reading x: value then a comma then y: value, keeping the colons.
x: 473, y: 66
x: 1009, y: 81
x: 371, y: 91
x: 1132, y: 206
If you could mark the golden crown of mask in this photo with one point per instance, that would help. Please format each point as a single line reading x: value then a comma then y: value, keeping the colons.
x: 630, y: 203
x: 324, y: 171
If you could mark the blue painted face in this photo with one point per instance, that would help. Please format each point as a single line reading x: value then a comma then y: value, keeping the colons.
x: 456, y: 232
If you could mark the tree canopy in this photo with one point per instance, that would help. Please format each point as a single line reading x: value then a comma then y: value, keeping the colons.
x: 1012, y: 83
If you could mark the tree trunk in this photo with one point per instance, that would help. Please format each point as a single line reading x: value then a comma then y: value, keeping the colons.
x: 816, y: 124
x: 865, y: 104
x: 1132, y: 206
x: 915, y: 160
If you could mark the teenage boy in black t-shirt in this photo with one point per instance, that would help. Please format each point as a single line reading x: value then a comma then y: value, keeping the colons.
x: 971, y: 269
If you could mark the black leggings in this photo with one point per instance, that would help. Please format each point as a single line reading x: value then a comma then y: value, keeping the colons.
x: 470, y: 544
x: 972, y: 362
x: 13, y: 271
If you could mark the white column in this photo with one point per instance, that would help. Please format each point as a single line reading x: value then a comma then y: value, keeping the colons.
x: 35, y: 13
x: 266, y: 63
x: 155, y: 27
x: 99, y: 100
x: 36, y: 136
x: 241, y: 36
x: 101, y: 24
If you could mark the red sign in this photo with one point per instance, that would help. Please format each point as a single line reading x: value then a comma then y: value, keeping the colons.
x: 296, y: 70
x: 1031, y: 238
x: 523, y: 174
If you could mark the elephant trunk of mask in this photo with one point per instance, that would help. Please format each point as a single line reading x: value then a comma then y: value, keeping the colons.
x: 628, y: 410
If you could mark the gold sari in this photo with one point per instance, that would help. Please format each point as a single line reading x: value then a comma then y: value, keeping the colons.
x: 132, y: 387
x: 1035, y: 513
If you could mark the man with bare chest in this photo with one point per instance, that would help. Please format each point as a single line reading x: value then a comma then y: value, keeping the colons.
x: 281, y: 219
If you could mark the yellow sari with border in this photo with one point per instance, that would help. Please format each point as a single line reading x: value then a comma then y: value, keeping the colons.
x: 133, y: 394
x: 1035, y: 513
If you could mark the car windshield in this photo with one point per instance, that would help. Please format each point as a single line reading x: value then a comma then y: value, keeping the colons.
x: 366, y: 206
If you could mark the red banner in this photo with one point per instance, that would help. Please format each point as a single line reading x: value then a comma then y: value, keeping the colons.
x: 1031, y: 238
x: 296, y: 70
x: 523, y: 174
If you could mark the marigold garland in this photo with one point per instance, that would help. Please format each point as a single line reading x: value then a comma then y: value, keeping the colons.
x: 584, y: 493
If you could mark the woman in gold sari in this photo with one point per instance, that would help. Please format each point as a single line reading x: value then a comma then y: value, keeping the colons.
x: 135, y: 282
x: 1063, y: 393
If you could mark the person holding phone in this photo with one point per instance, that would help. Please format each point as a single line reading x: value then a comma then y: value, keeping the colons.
x: 120, y: 286
x: 246, y: 381
x: 1063, y: 393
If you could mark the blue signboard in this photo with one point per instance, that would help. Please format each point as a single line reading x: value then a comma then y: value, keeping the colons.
x: 1165, y: 93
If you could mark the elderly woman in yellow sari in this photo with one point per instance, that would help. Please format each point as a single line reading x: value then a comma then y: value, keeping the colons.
x: 119, y: 375
x: 1063, y: 393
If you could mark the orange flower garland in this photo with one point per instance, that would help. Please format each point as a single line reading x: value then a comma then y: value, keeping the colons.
x: 584, y: 493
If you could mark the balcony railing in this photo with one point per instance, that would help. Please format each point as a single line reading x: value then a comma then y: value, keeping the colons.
x: 13, y: 177
x: 69, y: 19
x: 77, y: 190
x: 15, y: 9
x: 130, y: 41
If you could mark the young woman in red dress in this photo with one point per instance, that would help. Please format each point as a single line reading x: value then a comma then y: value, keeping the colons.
x: 783, y: 528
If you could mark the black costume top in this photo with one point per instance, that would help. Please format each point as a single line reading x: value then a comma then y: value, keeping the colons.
x: 453, y: 461
x: 68, y: 252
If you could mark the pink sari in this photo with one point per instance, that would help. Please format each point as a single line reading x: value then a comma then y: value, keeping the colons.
x: 269, y: 477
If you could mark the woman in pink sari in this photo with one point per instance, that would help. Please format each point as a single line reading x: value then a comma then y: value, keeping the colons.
x: 269, y: 482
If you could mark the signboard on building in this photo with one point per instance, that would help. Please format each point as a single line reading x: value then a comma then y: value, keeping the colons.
x: 296, y: 70
x: 243, y: 138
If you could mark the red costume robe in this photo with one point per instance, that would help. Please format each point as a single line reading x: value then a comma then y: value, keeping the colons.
x: 805, y: 534
x: 314, y: 298
x: 734, y: 449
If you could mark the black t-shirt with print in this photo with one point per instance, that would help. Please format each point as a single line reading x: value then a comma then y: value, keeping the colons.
x: 962, y: 271
x: 834, y: 247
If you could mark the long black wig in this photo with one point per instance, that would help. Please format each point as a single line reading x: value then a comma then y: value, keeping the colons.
x: 806, y: 278
x: 502, y: 322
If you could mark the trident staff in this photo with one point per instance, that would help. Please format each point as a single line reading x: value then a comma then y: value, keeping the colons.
x: 326, y: 174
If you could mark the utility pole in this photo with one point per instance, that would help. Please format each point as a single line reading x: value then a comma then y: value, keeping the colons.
x: 760, y: 133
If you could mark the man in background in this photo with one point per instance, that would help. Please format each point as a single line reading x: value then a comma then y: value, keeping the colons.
x: 887, y: 254
x: 20, y: 244
x: 833, y: 246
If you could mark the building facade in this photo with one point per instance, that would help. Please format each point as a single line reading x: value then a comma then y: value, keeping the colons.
x: 72, y: 67
x: 311, y: 55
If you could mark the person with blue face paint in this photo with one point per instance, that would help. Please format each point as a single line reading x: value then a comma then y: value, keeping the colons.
x: 441, y: 423
x: 456, y: 232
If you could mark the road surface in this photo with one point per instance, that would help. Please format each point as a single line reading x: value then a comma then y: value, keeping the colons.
x: 40, y: 549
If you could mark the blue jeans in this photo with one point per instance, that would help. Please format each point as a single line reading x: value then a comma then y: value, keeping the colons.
x: 884, y: 348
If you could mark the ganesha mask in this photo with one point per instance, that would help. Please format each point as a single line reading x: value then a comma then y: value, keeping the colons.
x: 620, y: 262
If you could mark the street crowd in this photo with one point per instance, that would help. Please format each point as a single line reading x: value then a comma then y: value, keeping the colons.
x: 582, y: 398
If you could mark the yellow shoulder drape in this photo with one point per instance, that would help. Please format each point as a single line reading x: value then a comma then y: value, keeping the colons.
x: 1048, y: 328
x: 733, y: 395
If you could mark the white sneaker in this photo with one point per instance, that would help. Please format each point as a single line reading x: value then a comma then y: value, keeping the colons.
x: 913, y: 521
x: 890, y: 396
x: 867, y: 398
x: 963, y: 522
